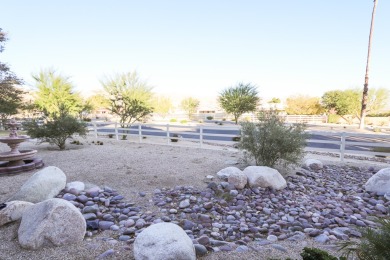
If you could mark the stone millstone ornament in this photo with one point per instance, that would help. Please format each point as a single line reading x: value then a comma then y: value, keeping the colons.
x: 44, y: 184
x: 164, y: 241
x: 379, y: 182
x: 53, y: 222
x: 16, y: 160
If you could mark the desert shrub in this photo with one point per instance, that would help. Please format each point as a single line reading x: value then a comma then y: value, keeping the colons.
x: 210, y: 118
x: 173, y: 120
x: 76, y: 142
x: 333, y: 118
x: 318, y: 254
x: 374, y: 244
x: 110, y: 135
x: 220, y: 123
x: 386, y: 114
x: 223, y: 119
x: 87, y: 119
x: 183, y: 121
x: 124, y: 137
x: 270, y: 141
x: 175, y: 138
x: 56, y: 129
x: 381, y: 149
x: 377, y: 130
x: 236, y: 138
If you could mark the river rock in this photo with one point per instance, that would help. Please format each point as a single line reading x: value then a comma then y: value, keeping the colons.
x: 13, y: 211
x: 226, y: 172
x: 379, y: 182
x: 43, y: 185
x: 163, y: 241
x: 238, y: 179
x: 54, y: 222
x: 313, y: 164
x: 264, y: 177
x: 77, y: 185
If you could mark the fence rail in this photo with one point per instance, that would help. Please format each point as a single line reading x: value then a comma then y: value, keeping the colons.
x: 336, y: 142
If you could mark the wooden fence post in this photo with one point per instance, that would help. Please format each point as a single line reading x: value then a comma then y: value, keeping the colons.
x: 140, y: 133
x: 168, y: 140
x: 342, y: 146
x: 201, y: 136
x: 95, y: 129
x: 116, y: 131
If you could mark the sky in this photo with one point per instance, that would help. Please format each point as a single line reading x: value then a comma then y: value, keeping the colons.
x: 199, y: 48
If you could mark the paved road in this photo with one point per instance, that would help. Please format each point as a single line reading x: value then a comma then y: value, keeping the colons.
x: 194, y: 134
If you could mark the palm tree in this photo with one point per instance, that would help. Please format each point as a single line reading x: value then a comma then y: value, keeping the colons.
x: 365, y: 89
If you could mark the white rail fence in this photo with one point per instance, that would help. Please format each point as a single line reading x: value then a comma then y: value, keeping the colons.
x: 336, y: 142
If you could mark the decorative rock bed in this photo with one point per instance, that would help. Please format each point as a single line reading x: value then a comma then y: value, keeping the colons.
x: 326, y: 205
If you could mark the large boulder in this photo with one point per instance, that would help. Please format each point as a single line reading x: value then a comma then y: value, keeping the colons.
x: 379, y: 182
x: 238, y: 179
x: 313, y: 164
x: 226, y: 172
x: 264, y: 177
x: 44, y: 184
x: 53, y: 222
x: 164, y: 241
x: 12, y: 211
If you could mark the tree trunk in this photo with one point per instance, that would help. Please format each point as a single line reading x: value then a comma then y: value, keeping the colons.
x: 365, y: 89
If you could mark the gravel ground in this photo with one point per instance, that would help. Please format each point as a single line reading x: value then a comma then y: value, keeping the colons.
x: 130, y: 168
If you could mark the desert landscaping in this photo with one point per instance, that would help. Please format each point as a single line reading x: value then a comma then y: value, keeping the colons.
x: 130, y: 186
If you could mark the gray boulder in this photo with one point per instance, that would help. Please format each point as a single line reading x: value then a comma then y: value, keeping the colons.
x: 379, y: 182
x: 13, y: 211
x: 313, y: 164
x: 54, y: 222
x: 238, y: 179
x: 226, y: 172
x: 44, y: 184
x: 77, y: 185
x: 163, y: 241
x: 264, y: 177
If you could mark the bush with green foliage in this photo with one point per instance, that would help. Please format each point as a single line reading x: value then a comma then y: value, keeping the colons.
x: 374, y: 244
x: 175, y: 138
x: 210, y: 118
x: 318, y: 254
x: 183, y: 121
x: 270, y: 141
x: 57, y: 129
x: 333, y: 118
x: 110, y: 135
x: 236, y: 138
x: 173, y: 120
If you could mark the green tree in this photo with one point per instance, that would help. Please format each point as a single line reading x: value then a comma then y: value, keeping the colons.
x: 189, y: 105
x: 98, y: 101
x: 129, y: 97
x: 366, y: 78
x: 303, y: 105
x: 54, y: 92
x: 58, y: 127
x: 239, y: 99
x: 162, y: 105
x: 346, y: 103
x: 10, y: 95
